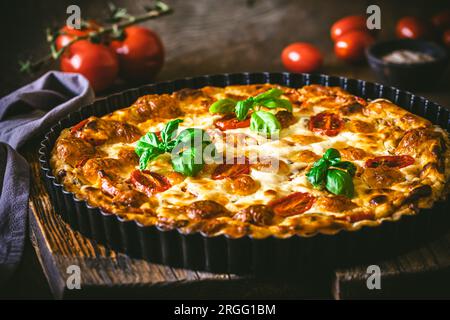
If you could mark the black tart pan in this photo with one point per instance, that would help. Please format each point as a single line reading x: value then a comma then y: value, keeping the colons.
x: 246, y: 255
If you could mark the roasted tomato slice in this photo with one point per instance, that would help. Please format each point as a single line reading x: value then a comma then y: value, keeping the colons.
x: 230, y: 121
x: 295, y: 203
x: 326, y: 123
x: 78, y: 126
x: 231, y: 170
x: 149, y: 182
x: 390, y: 161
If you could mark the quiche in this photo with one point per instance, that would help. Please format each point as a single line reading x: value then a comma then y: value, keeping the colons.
x: 284, y: 161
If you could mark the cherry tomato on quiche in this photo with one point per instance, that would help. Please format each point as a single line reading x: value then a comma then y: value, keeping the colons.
x: 231, y: 170
x: 412, y: 28
x: 347, y: 24
x: 326, y: 123
x: 352, y: 45
x: 301, y: 57
x: 295, y: 203
x: 390, y: 161
x: 141, y: 54
x: 231, y: 122
x: 96, y: 62
x: 149, y: 182
x: 67, y: 33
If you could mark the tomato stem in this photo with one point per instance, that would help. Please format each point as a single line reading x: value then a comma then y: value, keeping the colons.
x: 158, y: 10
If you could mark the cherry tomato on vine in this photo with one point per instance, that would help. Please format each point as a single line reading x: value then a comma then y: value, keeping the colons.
x: 301, y: 57
x: 412, y: 28
x: 98, y: 63
x: 141, y: 54
x: 351, y: 46
x: 68, y: 33
x: 347, y: 24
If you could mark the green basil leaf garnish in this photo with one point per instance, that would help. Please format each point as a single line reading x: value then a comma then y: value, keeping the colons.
x: 189, y: 162
x: 264, y: 122
x: 242, y: 108
x: 276, y: 103
x: 148, y: 155
x: 170, y: 130
x: 223, y: 106
x: 269, y: 94
x: 332, y: 155
x: 187, y: 149
x: 340, y: 183
x: 334, y: 174
x: 347, y: 166
x: 269, y: 99
x: 192, y: 137
x: 316, y: 176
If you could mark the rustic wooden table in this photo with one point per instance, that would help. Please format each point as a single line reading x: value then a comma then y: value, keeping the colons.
x: 206, y: 37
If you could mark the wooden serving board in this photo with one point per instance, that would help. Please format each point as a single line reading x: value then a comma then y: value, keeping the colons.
x: 423, y: 272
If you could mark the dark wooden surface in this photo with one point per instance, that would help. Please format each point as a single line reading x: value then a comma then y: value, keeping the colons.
x: 205, y: 37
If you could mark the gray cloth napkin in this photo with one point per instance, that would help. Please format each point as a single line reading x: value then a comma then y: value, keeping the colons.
x: 24, y: 114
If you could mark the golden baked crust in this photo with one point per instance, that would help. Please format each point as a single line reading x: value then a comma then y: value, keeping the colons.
x: 94, y: 160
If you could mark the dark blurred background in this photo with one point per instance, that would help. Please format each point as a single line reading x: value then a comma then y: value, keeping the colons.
x: 207, y: 36
x: 200, y: 37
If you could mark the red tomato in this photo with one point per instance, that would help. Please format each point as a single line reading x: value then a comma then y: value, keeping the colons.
x: 141, y: 54
x: 301, y: 57
x: 390, y: 161
x: 230, y: 121
x: 295, y: 203
x: 326, y: 123
x: 351, y: 46
x: 149, y: 182
x: 68, y: 33
x: 441, y: 21
x: 94, y: 61
x: 78, y: 126
x: 231, y: 170
x: 446, y: 38
x: 347, y: 24
x: 412, y: 28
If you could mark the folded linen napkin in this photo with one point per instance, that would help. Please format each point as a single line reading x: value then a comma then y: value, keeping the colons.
x: 25, y: 114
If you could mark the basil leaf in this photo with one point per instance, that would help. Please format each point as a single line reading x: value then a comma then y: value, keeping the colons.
x: 223, y: 106
x: 269, y: 94
x: 316, y: 176
x: 276, y: 103
x: 347, y: 166
x: 242, y: 108
x: 148, y: 155
x: 265, y: 123
x: 339, y: 182
x: 192, y: 137
x: 189, y: 162
x: 320, y: 162
x: 332, y: 155
x: 150, y: 138
x: 170, y: 130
